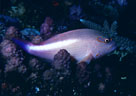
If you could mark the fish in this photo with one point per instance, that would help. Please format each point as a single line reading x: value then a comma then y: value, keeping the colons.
x: 83, y: 45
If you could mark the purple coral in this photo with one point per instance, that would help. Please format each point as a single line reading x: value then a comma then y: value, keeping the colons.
x: 15, y: 58
x: 47, y: 27
x: 36, y: 39
x: 12, y: 64
x: 22, y: 69
x: 7, y: 48
x: 35, y: 65
x: 48, y: 74
x: 82, y: 73
x: 62, y: 60
x: 11, y: 32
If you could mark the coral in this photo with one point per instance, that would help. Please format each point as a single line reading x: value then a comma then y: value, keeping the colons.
x: 32, y: 77
x: 22, y: 69
x: 2, y: 31
x: 22, y: 74
x: 82, y: 73
x: 35, y: 65
x: 91, y: 24
x: 110, y: 31
x: 8, y: 49
x: 47, y: 27
x: 62, y: 60
x: 106, y: 29
x: 36, y: 39
x: 12, y: 64
x: 17, y: 10
x: 11, y: 32
x: 8, y: 20
x: 75, y: 12
x: 48, y: 74
x: 101, y: 87
x: 59, y: 75
x: 28, y: 32
x: 62, y: 28
x: 108, y: 9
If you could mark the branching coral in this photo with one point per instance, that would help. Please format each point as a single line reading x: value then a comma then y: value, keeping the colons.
x: 18, y: 10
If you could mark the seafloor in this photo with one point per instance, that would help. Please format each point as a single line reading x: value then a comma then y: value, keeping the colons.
x: 22, y: 74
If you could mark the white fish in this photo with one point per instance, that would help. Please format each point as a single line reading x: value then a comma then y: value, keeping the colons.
x: 82, y: 44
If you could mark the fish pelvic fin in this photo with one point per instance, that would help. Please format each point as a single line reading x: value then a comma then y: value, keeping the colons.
x: 87, y: 59
x: 23, y: 44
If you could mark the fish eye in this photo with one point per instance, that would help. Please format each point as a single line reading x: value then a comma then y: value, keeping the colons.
x: 107, y: 40
x: 104, y: 40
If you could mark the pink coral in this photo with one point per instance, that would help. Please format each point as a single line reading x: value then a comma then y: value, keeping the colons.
x: 35, y: 64
x: 7, y: 48
x: 47, y: 27
x: 11, y: 32
x: 12, y: 64
x: 36, y: 39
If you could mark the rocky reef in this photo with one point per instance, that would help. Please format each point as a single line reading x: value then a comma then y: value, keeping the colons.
x: 22, y: 74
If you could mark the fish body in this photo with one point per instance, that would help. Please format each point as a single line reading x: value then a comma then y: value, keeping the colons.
x: 82, y: 44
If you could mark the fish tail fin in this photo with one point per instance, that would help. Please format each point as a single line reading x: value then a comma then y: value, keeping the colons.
x: 23, y: 44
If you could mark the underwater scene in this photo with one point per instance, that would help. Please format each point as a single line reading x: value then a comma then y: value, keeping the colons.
x: 67, y: 48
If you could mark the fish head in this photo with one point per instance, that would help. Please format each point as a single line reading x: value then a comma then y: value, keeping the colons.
x: 103, y: 46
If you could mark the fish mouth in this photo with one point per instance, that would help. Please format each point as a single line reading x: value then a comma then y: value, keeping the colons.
x: 113, y: 47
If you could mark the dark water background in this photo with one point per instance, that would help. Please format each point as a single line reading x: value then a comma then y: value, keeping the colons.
x: 107, y: 76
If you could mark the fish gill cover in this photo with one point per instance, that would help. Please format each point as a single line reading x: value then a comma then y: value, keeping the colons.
x: 22, y: 74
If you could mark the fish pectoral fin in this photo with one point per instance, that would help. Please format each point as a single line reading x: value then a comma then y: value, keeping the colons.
x: 87, y: 59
